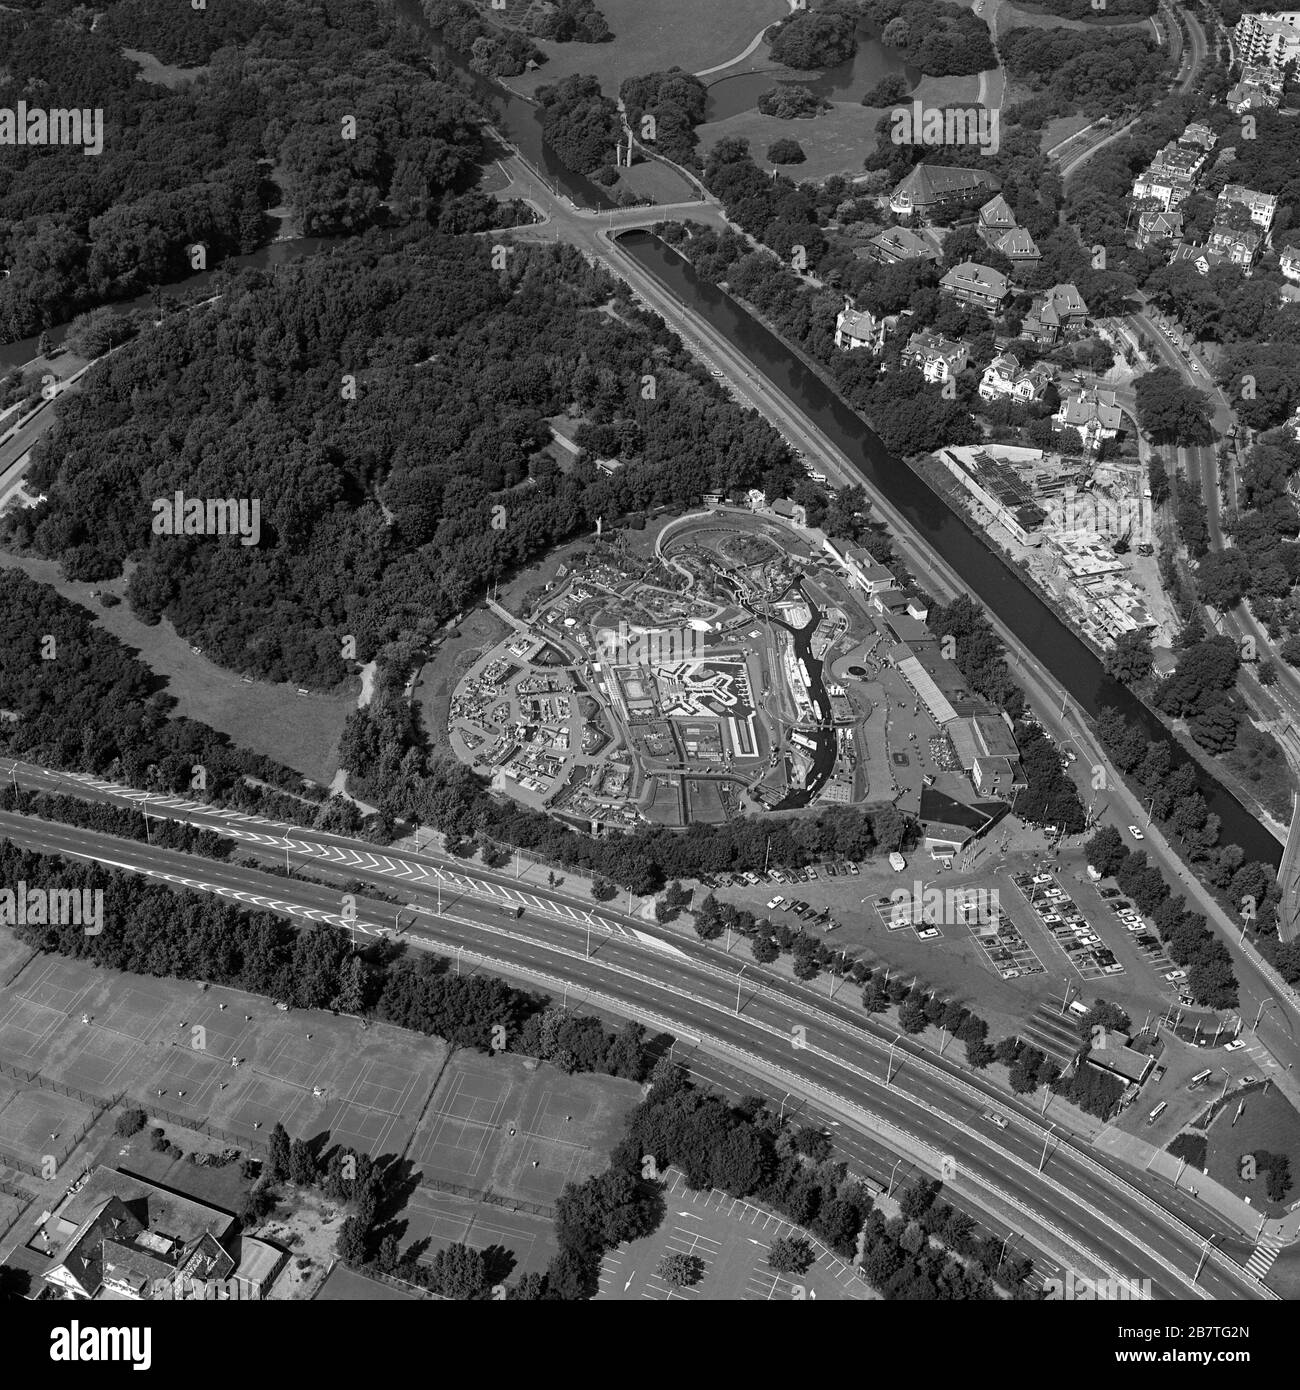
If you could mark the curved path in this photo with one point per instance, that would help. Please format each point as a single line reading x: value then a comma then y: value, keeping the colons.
x: 754, y: 43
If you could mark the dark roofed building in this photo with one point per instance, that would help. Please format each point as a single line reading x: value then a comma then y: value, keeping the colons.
x: 930, y: 185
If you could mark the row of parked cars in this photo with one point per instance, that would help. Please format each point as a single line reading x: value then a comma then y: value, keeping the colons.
x: 805, y: 912
x: 1147, y: 941
x: 1073, y: 932
x: 754, y: 877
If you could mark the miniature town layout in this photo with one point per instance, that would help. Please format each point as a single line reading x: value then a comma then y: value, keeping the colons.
x: 750, y: 664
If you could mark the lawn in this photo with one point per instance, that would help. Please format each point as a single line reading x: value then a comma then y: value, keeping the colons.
x: 657, y: 181
x: 837, y: 141
x: 1012, y: 16
x: 300, y: 731
x: 1268, y: 1122
x: 650, y: 35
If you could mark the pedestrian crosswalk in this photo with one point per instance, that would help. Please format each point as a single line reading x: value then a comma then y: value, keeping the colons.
x: 1261, y: 1261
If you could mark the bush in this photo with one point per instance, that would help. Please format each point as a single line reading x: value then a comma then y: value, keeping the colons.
x: 130, y: 1122
x: 786, y: 152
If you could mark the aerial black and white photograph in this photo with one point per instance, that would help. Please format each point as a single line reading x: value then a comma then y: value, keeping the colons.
x: 649, y: 652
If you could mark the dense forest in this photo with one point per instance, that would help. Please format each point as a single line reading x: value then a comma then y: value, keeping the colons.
x: 356, y: 129
x: 809, y: 39
x: 381, y: 408
x: 676, y: 100
x: 1082, y: 70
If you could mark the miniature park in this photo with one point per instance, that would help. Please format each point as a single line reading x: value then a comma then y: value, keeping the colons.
x: 746, y: 663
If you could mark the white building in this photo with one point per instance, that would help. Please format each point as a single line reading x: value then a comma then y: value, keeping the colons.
x: 1004, y: 377
x: 1094, y: 413
x: 855, y: 328
x: 1261, y: 206
x: 1270, y: 40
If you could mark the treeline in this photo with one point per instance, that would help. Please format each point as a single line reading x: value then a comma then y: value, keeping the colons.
x: 149, y: 929
x: 810, y: 39
x: 942, y: 40
x: 74, y: 698
x: 676, y: 100
x: 495, y: 51
x: 115, y: 820
x: 384, y: 409
x: 185, y: 166
x: 1082, y: 70
x: 441, y: 792
x: 1185, y: 935
x: 579, y: 123
x: 1087, y: 9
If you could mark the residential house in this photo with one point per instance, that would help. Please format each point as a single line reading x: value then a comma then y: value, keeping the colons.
x: 935, y: 357
x: 123, y: 1237
x: 996, y: 216
x: 856, y: 328
x: 976, y: 284
x: 862, y: 567
x: 1241, y: 247
x: 1261, y: 206
x: 1170, y: 177
x: 997, y: 225
x: 1290, y: 262
x: 930, y: 185
x: 1202, y: 258
x: 1268, y: 40
x: 1249, y: 95
x: 1093, y: 412
x: 1055, y: 315
x: 902, y: 244
x: 1199, y: 135
x: 1005, y: 378
x: 1157, y: 228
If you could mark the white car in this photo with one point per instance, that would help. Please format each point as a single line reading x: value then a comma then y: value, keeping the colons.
x: 1175, y: 974
x: 926, y: 933
x: 1136, y: 833
x: 774, y: 903
x: 1234, y: 1045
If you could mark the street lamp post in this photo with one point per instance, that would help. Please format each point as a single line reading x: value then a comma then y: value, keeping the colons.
x: 743, y: 968
x: 1047, y: 1139
x: 892, y: 1171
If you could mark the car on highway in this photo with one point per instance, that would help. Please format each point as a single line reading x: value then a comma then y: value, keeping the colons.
x: 994, y: 1118
x: 1136, y: 833
x: 1235, y: 1045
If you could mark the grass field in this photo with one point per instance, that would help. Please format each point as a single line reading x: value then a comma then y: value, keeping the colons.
x: 650, y: 35
x: 162, y: 74
x: 1267, y: 1121
x: 1012, y: 16
x: 657, y: 181
x: 345, y: 1285
x: 141, y: 1036
x: 300, y: 731
x: 732, y: 1239
x: 521, y: 1131
x: 837, y: 141
x: 34, y: 1123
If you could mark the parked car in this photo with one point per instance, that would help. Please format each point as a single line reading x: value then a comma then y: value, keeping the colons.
x: 774, y: 903
x: 1136, y: 833
x: 926, y: 933
x: 853, y: 868
x: 1235, y: 1045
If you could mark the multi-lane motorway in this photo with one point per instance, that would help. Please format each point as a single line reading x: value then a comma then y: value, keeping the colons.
x: 1086, y: 1212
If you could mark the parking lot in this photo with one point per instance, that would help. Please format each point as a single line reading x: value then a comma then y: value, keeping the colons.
x: 787, y: 900
x: 1065, y: 923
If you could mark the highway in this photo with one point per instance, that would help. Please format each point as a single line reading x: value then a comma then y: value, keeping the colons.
x: 1087, y: 1213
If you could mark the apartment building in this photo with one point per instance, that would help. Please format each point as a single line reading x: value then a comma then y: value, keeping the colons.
x: 1268, y: 40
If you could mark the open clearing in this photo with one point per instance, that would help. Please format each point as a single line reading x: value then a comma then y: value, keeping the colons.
x: 300, y: 731
x: 148, y: 1035
x: 651, y: 35
x: 1268, y: 1122
x: 835, y: 142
